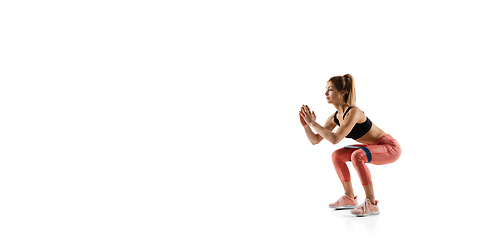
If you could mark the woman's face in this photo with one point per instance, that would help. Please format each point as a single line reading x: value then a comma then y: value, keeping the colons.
x: 332, y: 95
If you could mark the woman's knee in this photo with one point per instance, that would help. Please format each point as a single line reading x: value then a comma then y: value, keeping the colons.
x: 336, y: 156
x: 358, y: 157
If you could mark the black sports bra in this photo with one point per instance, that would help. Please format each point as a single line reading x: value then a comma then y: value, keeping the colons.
x: 359, y: 129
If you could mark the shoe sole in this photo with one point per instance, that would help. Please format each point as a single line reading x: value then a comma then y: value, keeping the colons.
x: 344, y: 207
x: 367, y: 214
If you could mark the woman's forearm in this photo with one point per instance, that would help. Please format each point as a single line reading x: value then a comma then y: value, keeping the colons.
x: 313, y: 138
x: 328, y: 135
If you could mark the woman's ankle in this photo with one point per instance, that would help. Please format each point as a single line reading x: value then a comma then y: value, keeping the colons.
x: 351, y: 196
x: 373, y: 200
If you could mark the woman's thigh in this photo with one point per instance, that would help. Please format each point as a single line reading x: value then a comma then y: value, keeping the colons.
x: 383, y: 154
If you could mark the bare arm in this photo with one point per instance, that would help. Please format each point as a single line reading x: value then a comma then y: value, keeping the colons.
x: 313, y: 138
x: 328, y: 135
x: 317, y: 138
x: 342, y: 131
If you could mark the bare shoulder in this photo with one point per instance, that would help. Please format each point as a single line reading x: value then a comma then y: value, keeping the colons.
x: 356, y: 113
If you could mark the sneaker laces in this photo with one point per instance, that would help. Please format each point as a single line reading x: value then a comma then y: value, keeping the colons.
x: 363, y: 206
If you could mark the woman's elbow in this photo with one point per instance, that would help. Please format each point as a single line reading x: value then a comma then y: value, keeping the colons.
x: 336, y: 140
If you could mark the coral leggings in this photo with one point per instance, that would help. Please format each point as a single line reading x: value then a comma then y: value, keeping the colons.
x: 385, y: 150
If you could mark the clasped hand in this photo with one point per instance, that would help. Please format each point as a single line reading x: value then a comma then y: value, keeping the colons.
x: 307, y: 117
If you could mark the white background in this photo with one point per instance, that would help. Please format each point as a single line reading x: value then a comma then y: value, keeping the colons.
x: 179, y: 119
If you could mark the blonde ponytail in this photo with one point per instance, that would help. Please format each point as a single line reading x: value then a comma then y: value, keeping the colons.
x: 349, y: 85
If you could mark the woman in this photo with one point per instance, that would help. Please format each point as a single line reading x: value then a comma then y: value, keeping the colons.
x: 376, y: 146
